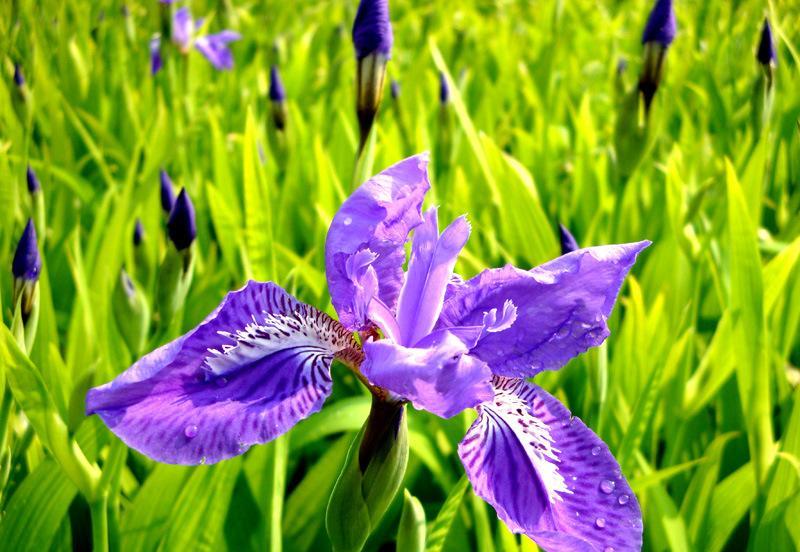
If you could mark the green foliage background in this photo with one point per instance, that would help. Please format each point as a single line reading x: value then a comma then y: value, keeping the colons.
x: 695, y: 391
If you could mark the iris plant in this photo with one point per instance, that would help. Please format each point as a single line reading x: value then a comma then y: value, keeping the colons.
x: 659, y: 32
x: 261, y: 362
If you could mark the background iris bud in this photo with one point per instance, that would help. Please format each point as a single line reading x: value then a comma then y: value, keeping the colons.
x: 131, y: 312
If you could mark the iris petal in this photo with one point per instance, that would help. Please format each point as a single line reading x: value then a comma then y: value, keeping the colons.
x: 561, y: 308
x: 182, y: 27
x: 215, y: 48
x: 441, y: 378
x: 548, y: 475
x: 249, y: 372
x: 378, y: 216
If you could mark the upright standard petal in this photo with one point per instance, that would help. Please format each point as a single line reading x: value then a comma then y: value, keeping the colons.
x: 215, y: 48
x: 182, y: 28
x: 548, y: 475
x: 440, y: 378
x: 378, y: 216
x: 255, y: 367
x: 372, y: 30
x: 562, y: 308
x: 429, y: 270
x: 660, y: 27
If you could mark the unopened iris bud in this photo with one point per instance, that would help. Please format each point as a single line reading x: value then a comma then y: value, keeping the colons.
x: 26, y: 267
x: 394, y: 88
x: 155, y: 54
x: 658, y: 35
x: 372, y: 474
x: 167, y: 195
x: 372, y: 38
x: 444, y: 143
x: 766, y: 54
x: 138, y: 233
x: 35, y: 190
x: 277, y: 96
x: 568, y: 242
x: 181, y: 226
x: 444, y: 89
x: 131, y: 313
x: 19, y: 78
x: 33, y: 181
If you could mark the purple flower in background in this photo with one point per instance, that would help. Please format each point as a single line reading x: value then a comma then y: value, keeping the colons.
x: 182, y: 226
x: 277, y: 93
x: 19, y: 78
x: 33, y: 181
x: 167, y: 194
x: 372, y: 30
x: 660, y: 26
x: 444, y: 89
x: 568, y: 242
x: 138, y: 233
x: 261, y: 362
x: 214, y: 47
x: 394, y: 88
x: 766, y: 53
x: 27, y: 263
x: 155, y: 54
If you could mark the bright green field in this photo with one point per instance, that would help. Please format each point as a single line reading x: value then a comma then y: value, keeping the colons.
x: 695, y: 390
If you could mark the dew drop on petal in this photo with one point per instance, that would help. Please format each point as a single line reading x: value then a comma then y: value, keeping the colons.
x: 623, y: 499
x: 190, y: 431
x: 600, y: 522
x: 607, y: 486
x: 596, y: 450
x: 347, y: 221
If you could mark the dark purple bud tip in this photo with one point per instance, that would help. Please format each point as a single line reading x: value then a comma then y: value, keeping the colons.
x: 167, y: 195
x: 394, y: 87
x: 766, y: 53
x: 19, y: 78
x: 138, y: 233
x: 622, y: 66
x: 182, y: 227
x: 372, y: 30
x: 444, y: 89
x: 27, y: 263
x: 33, y: 181
x: 277, y: 93
x: 568, y: 243
x: 661, y: 24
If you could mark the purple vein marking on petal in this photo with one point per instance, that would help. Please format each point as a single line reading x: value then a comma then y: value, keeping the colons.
x: 430, y: 268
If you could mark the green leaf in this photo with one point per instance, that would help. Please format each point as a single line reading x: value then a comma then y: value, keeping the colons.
x: 440, y: 527
x: 411, y: 531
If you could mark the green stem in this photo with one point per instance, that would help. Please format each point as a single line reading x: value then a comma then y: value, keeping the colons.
x: 99, y: 510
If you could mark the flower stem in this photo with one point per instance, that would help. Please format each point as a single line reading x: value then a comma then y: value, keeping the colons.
x: 99, y: 510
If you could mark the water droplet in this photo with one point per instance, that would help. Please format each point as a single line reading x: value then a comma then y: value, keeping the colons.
x: 623, y: 499
x: 222, y: 382
x: 190, y: 431
x: 596, y: 450
x: 600, y: 523
x: 607, y: 486
x: 574, y: 477
x: 347, y: 221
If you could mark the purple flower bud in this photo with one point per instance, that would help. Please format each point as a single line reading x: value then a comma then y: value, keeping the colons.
x: 155, y: 54
x: 444, y: 89
x: 276, y: 91
x: 138, y: 233
x: 27, y: 262
x: 766, y: 53
x: 33, y: 181
x: 394, y: 87
x: 660, y: 26
x: 568, y: 243
x: 622, y: 65
x: 167, y: 195
x: 19, y: 79
x: 372, y: 30
x: 181, y: 226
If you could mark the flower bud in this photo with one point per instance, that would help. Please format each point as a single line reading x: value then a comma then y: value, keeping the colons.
x: 568, y: 243
x: 394, y: 87
x: 372, y: 39
x: 138, y: 233
x: 37, y: 198
x: 370, y: 478
x: 277, y: 96
x: 411, y: 530
x: 181, y: 226
x: 19, y: 78
x: 167, y: 195
x: 658, y: 34
x: 444, y: 89
x: 33, y: 181
x: 766, y: 54
x: 26, y: 267
x: 131, y: 313
x: 155, y: 54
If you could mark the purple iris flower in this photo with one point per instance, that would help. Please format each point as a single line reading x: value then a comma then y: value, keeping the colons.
x: 766, y: 53
x: 372, y: 30
x: 167, y: 195
x: 33, y: 181
x: 277, y: 93
x: 182, y: 226
x: 155, y: 54
x: 214, y: 46
x: 261, y: 362
x: 568, y: 242
x: 660, y: 26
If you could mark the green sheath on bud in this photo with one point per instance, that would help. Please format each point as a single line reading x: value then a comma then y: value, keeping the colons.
x: 652, y: 70
x: 131, y: 312
x: 411, y: 532
x: 174, y: 280
x: 370, y: 478
x: 370, y: 79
